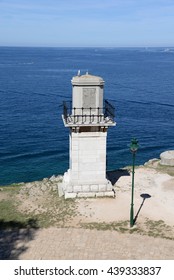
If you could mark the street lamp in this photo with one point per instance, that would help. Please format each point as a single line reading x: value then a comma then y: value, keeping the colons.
x: 133, y: 149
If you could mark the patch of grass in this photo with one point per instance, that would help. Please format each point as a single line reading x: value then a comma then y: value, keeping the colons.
x: 9, y: 213
x: 158, y: 229
x: 11, y: 189
x: 52, y: 210
x: 150, y: 228
x: 57, y: 211
x: 60, y: 210
x: 121, y: 226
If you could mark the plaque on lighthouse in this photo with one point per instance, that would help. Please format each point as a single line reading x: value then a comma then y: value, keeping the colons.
x: 89, y: 98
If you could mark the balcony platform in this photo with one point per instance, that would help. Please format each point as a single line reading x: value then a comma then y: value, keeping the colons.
x: 75, y: 121
x: 75, y: 117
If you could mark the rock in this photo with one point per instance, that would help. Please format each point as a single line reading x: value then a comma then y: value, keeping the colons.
x: 167, y: 158
x: 52, y: 178
x: 151, y: 161
x: 45, y: 180
x: 43, y: 188
x: 56, y: 178
x: 29, y: 185
x: 55, y: 187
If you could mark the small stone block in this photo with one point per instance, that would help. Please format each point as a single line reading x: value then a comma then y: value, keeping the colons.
x: 69, y: 189
x: 70, y: 195
x: 94, y: 188
x: 100, y: 194
x: 85, y: 188
x: 77, y: 189
x: 60, y: 190
x: 102, y: 188
x: 110, y: 194
x: 87, y: 194
x: 109, y: 187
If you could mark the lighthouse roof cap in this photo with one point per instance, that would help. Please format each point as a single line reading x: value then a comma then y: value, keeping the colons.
x: 87, y: 79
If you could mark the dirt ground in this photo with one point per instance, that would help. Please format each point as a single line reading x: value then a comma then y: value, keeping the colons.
x: 153, y: 201
x: 39, y: 204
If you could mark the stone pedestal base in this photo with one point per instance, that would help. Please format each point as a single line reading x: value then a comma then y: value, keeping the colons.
x: 80, y: 189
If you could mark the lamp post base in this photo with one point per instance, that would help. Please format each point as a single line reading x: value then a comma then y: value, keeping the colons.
x: 131, y: 216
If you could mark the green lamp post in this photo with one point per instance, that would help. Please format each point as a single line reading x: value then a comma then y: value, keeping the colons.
x: 133, y: 149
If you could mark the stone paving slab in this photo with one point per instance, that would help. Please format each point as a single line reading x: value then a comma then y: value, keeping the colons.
x: 85, y: 244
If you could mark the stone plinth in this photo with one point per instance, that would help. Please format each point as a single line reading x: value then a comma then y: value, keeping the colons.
x: 71, y: 190
x: 167, y: 158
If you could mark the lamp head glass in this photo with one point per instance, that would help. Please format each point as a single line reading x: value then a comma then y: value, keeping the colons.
x: 134, y: 145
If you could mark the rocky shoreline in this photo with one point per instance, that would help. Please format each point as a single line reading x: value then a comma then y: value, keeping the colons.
x: 37, y: 188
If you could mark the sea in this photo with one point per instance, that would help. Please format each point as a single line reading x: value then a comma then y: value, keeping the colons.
x: 34, y: 82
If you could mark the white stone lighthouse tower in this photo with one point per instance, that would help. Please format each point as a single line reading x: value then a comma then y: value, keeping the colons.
x: 88, y: 117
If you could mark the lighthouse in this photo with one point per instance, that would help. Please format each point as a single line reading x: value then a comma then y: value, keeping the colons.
x: 88, y: 117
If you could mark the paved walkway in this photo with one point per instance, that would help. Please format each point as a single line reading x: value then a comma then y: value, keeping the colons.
x: 80, y: 244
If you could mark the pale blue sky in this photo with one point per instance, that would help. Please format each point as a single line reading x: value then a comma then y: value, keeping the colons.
x: 84, y: 23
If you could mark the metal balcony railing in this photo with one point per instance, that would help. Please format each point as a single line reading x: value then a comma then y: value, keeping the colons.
x: 88, y: 116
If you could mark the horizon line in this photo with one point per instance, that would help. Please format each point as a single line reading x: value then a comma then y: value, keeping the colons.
x: 109, y: 47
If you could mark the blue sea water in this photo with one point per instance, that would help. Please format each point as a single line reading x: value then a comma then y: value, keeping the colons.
x: 139, y: 82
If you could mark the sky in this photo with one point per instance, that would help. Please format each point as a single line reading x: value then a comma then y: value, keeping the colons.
x: 87, y: 23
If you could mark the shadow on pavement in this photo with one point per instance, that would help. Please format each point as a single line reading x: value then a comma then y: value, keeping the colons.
x: 14, y: 236
x: 114, y: 175
x: 144, y: 196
